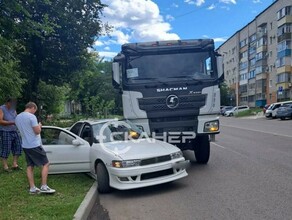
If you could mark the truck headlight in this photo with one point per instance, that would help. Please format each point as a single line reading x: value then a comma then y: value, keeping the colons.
x: 176, y: 155
x: 125, y: 163
x: 211, y: 126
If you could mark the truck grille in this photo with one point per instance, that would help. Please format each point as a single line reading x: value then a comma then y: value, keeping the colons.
x: 185, y: 102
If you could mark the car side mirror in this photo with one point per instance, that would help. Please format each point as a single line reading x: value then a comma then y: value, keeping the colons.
x: 76, y: 143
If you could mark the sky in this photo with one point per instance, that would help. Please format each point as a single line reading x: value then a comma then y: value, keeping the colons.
x: 153, y: 20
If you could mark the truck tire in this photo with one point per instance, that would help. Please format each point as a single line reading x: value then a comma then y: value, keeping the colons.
x: 202, y: 149
x: 102, y: 178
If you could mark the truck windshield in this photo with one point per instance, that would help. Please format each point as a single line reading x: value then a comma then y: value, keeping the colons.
x: 167, y: 67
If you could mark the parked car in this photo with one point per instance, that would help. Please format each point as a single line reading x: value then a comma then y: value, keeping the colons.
x: 265, y: 108
x: 235, y: 110
x: 225, y: 108
x: 111, y: 153
x: 285, y: 111
x: 272, y: 110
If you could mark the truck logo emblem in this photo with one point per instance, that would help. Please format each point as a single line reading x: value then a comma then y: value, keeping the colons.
x: 172, y: 101
x: 172, y: 89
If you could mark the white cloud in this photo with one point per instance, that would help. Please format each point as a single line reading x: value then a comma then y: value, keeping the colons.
x: 136, y: 20
x: 228, y: 1
x: 174, y: 5
x: 107, y: 48
x: 211, y: 7
x: 98, y: 43
x: 195, y: 2
x: 107, y: 54
x: 219, y: 39
x: 169, y: 18
x: 257, y: 1
x: 216, y: 39
x: 225, y: 7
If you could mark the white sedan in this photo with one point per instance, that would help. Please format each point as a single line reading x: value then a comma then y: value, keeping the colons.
x: 114, y: 153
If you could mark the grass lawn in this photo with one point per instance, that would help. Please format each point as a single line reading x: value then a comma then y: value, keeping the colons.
x: 250, y: 112
x: 16, y: 203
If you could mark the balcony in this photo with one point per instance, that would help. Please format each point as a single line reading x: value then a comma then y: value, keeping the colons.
x: 262, y: 48
x: 284, y: 69
x: 261, y: 76
x: 284, y: 85
x: 284, y: 53
x: 261, y: 90
x: 284, y: 36
x: 251, y: 92
x: 284, y: 20
x: 262, y: 62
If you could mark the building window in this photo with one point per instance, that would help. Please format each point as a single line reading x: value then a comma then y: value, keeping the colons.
x: 260, y: 56
x: 252, y: 38
x: 283, y: 12
x: 270, y: 83
x: 286, y: 28
x: 243, y: 54
x: 283, y: 77
x: 258, y: 70
x: 243, y: 43
x: 284, y: 45
x: 243, y: 65
x: 251, y: 74
x: 281, y: 62
x: 243, y: 76
x: 252, y: 62
x: 261, y: 42
x: 252, y: 50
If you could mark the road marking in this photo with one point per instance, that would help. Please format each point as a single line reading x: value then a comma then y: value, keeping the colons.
x: 275, y: 134
x: 233, y: 151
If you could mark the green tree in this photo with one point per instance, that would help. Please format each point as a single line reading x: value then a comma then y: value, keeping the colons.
x: 10, y: 81
x: 226, y: 93
x: 55, y: 35
x: 51, y: 98
x: 93, y: 88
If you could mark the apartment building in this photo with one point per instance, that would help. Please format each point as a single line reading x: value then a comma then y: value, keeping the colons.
x: 257, y: 59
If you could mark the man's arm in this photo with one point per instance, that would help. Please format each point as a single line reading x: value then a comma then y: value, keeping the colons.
x: 37, y: 129
x: 3, y: 122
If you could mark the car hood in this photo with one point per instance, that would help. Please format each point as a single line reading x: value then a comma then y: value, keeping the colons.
x: 140, y: 149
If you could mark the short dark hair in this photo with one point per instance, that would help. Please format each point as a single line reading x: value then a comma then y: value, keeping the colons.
x: 31, y: 105
x: 9, y: 99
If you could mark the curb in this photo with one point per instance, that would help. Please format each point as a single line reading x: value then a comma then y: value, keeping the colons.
x: 86, y: 205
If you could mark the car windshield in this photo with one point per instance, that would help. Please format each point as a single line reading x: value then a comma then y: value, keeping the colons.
x: 119, y: 130
x: 165, y: 67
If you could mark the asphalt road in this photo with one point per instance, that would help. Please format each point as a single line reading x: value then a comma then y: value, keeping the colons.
x: 249, y: 176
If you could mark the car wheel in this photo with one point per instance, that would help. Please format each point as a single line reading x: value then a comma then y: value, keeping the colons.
x: 202, y: 149
x: 231, y: 114
x: 102, y: 178
x: 282, y: 118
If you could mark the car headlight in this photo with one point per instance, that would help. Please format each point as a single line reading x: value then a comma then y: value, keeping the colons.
x: 176, y: 155
x: 211, y: 126
x: 125, y: 163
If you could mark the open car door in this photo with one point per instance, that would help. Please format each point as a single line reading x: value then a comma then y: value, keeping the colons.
x: 67, y: 153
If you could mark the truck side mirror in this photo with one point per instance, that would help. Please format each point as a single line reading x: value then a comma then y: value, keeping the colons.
x: 220, y: 72
x: 116, y: 75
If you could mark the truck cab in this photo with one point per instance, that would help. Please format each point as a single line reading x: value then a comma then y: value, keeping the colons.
x: 171, y: 88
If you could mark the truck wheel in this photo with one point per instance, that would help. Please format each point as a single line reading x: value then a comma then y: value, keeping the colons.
x: 102, y: 178
x: 202, y: 149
